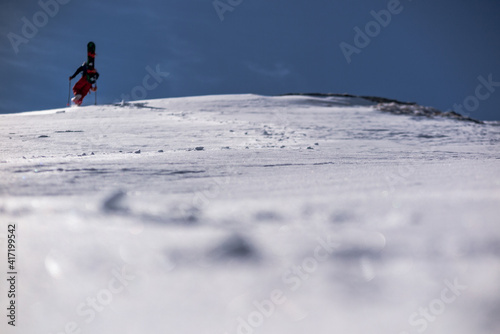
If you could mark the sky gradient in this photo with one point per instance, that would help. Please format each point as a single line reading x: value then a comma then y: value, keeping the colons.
x: 434, y: 52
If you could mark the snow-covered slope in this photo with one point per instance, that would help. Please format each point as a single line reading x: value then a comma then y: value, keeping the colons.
x: 251, y: 214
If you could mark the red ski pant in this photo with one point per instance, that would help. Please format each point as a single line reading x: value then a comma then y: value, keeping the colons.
x: 82, y: 87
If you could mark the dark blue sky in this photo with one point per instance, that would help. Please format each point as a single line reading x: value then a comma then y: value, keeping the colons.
x: 431, y: 52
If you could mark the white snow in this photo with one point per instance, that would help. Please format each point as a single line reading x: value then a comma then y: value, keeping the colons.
x: 250, y: 214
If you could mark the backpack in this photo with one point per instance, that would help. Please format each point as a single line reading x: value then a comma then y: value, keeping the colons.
x: 92, y: 75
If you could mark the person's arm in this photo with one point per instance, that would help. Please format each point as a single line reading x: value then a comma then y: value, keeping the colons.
x: 76, y: 73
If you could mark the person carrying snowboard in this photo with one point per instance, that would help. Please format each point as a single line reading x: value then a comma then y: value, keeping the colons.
x: 86, y: 82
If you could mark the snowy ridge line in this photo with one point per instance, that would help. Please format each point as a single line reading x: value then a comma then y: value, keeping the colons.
x: 375, y: 99
x: 397, y: 107
x: 311, y: 99
x: 418, y: 110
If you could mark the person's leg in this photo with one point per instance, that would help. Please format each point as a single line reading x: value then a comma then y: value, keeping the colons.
x: 85, y: 89
x: 79, y: 85
x: 80, y: 89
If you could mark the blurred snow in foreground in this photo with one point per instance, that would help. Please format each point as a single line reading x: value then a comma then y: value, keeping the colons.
x: 251, y: 214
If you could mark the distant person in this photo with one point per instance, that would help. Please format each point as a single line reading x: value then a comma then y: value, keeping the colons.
x: 87, y: 82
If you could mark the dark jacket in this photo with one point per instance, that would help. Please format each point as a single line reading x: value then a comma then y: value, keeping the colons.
x: 92, y: 74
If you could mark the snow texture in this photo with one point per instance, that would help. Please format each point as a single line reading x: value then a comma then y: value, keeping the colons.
x: 252, y: 214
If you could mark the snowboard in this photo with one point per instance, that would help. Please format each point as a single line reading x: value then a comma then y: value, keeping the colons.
x: 90, y: 55
x: 91, y: 71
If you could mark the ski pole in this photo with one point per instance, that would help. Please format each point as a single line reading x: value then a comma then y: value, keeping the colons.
x: 69, y: 93
x: 95, y: 96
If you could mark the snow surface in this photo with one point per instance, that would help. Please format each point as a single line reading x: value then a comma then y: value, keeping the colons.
x: 251, y: 214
